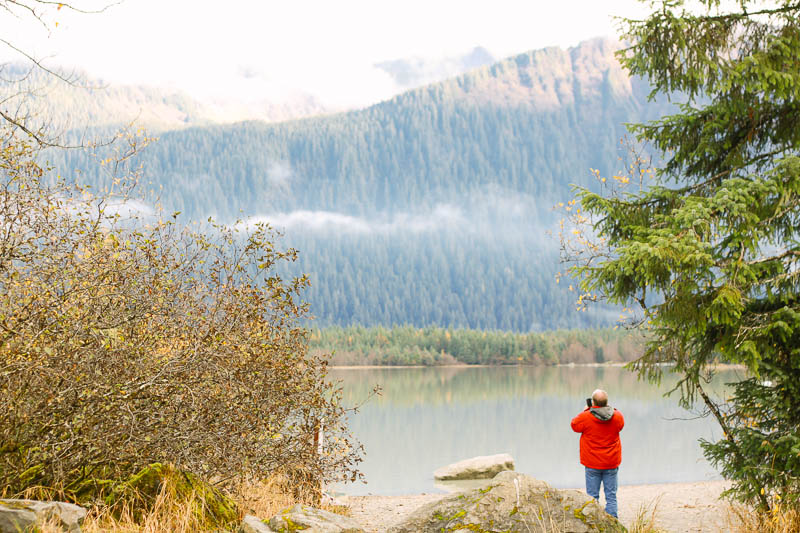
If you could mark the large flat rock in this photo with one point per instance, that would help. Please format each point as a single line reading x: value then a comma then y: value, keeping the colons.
x: 311, y: 520
x: 482, y: 467
x: 512, y: 503
x: 253, y: 524
x: 26, y: 515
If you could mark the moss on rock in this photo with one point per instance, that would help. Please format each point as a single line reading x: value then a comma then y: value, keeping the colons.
x: 139, y: 493
x: 512, y: 503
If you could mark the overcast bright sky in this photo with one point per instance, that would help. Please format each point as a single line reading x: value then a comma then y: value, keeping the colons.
x: 326, y: 47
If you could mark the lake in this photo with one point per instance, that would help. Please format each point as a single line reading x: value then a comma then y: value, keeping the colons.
x: 426, y: 418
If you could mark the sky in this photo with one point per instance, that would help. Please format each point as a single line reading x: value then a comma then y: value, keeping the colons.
x: 248, y: 49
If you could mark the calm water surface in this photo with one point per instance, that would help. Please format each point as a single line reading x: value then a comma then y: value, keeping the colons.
x: 426, y: 418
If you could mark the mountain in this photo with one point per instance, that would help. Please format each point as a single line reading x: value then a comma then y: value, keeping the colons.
x: 530, y: 125
x: 432, y: 208
x: 78, y: 102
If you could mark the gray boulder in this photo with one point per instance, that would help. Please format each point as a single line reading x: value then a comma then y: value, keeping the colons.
x: 253, y: 524
x: 27, y: 515
x: 312, y: 520
x: 483, y: 467
x: 461, y: 485
x: 512, y: 503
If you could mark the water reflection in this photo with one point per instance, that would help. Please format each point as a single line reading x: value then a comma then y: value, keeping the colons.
x: 430, y: 417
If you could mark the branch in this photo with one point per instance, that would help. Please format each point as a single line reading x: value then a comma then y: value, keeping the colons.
x: 712, y: 406
x: 38, y: 63
x: 744, y: 15
x: 748, y: 14
x: 37, y: 136
x: 58, y: 5
x: 784, y: 255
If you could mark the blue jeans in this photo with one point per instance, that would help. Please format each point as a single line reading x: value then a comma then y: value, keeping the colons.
x: 609, y: 479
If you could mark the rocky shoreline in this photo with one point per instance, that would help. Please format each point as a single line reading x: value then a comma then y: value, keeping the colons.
x: 679, y: 507
x: 671, y: 507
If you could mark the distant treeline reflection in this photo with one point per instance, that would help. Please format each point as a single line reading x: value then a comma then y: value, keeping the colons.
x: 462, y: 385
x: 406, y: 345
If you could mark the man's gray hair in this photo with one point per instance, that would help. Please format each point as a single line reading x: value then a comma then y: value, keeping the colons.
x: 600, y: 398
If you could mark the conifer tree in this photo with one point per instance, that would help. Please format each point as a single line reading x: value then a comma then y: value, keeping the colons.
x: 707, y: 246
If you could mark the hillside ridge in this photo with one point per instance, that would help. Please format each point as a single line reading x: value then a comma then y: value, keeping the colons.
x: 432, y: 208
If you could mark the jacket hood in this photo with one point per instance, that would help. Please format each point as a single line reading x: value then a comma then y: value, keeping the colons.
x: 603, y: 413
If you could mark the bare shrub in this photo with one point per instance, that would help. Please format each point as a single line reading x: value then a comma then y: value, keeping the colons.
x: 127, y: 340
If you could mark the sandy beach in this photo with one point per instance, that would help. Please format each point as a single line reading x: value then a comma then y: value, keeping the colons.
x: 680, y: 507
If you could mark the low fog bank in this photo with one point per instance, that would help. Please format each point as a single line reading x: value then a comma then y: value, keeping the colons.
x: 490, y: 214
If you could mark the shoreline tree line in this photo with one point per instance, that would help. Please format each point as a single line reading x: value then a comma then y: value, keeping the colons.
x: 432, y: 346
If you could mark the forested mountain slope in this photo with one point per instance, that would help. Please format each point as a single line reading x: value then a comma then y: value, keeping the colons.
x: 532, y: 124
x: 431, y: 208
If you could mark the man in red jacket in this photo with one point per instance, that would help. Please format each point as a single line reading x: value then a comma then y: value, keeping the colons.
x: 601, y: 452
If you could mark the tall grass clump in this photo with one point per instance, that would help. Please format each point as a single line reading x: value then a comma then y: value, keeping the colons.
x: 645, y: 520
x: 779, y: 519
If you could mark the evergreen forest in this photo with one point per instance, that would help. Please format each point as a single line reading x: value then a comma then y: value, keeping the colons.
x: 434, y: 208
x: 430, y: 346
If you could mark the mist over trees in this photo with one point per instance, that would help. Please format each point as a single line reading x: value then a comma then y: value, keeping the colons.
x: 531, y: 124
x: 498, y: 146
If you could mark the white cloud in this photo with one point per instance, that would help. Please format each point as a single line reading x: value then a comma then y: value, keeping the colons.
x: 279, y: 173
x: 317, y: 46
x: 493, y: 213
x: 441, y: 217
x: 129, y: 208
x: 315, y: 221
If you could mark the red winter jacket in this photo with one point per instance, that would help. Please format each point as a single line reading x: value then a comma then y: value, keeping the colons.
x: 599, y: 428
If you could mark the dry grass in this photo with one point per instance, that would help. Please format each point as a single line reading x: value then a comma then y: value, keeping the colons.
x: 645, y: 520
x: 166, y: 515
x: 263, y: 499
x: 267, y: 498
x: 742, y: 519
